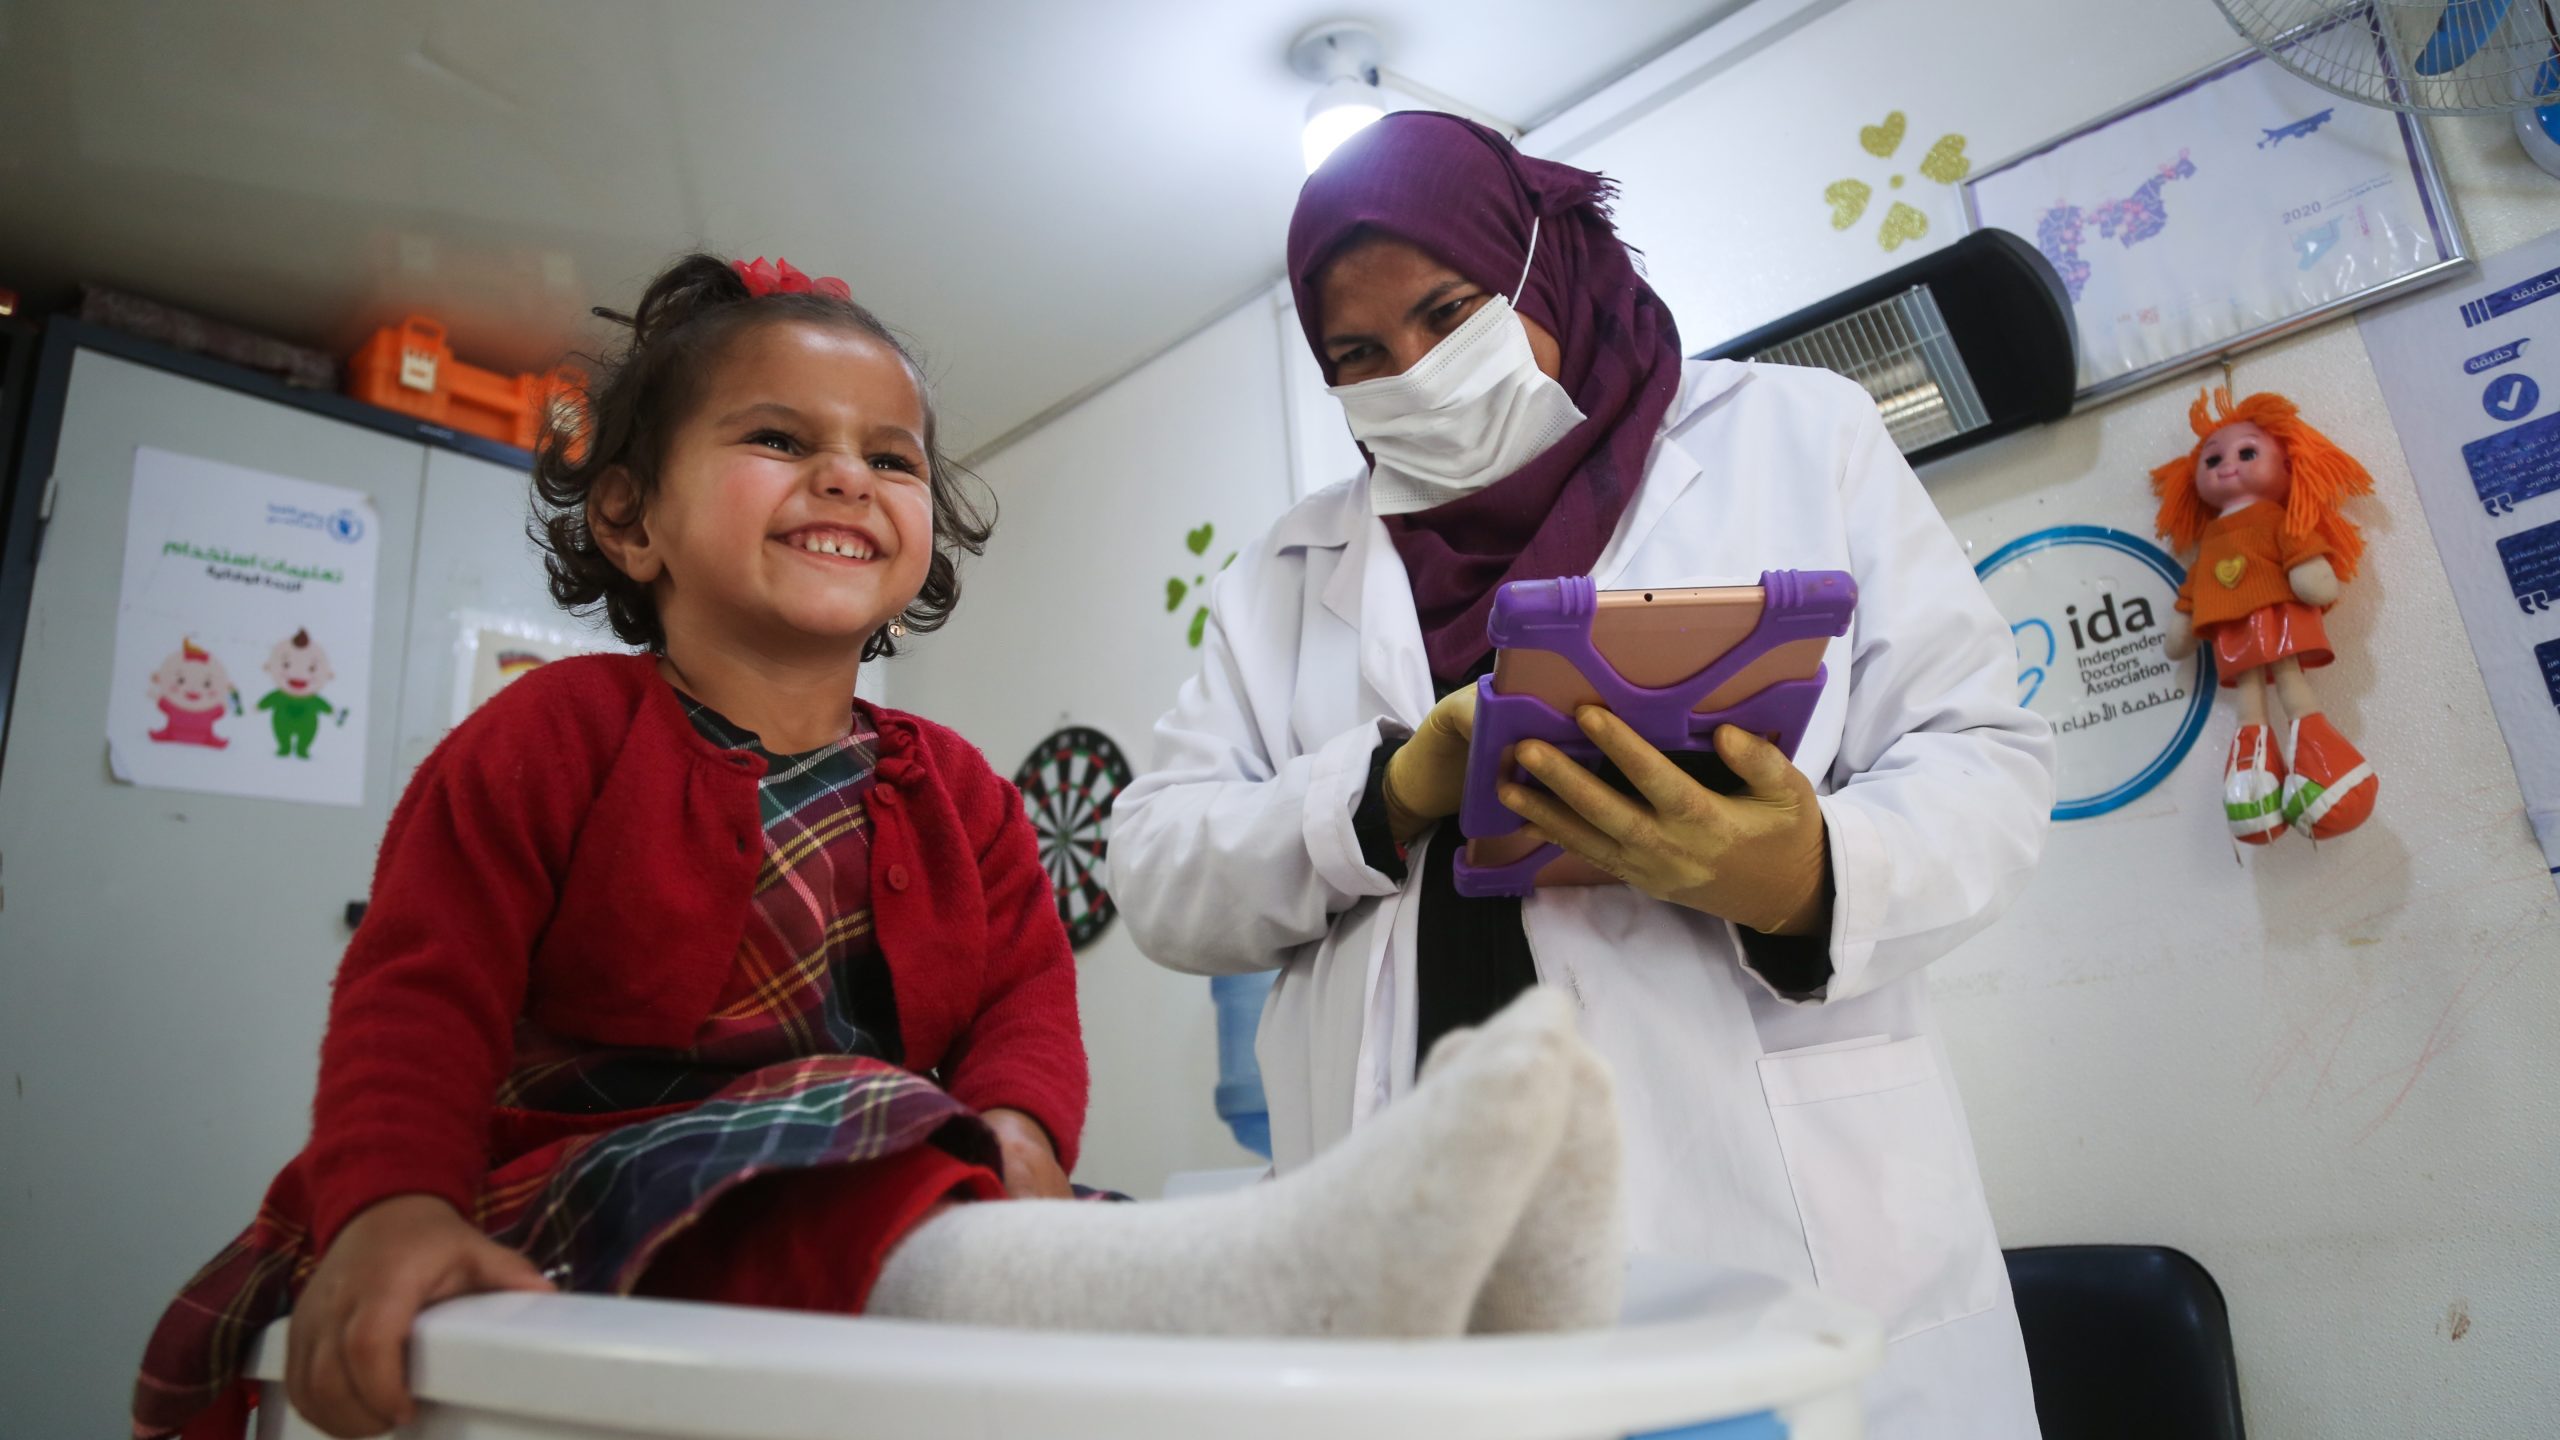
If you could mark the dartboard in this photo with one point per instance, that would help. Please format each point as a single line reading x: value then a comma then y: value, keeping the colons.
x: 1068, y: 785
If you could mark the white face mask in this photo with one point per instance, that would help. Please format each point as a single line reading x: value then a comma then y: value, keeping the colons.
x: 1471, y: 412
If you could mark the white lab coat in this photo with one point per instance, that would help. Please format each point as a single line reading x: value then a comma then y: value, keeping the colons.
x: 1821, y: 1141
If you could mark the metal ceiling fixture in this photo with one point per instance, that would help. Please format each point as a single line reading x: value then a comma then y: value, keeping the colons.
x: 1346, y: 62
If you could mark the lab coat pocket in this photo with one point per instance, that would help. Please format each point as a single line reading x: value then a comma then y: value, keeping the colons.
x: 1893, y: 1213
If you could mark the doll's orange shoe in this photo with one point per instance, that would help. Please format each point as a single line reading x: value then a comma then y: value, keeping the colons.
x: 2333, y: 788
x: 2253, y: 787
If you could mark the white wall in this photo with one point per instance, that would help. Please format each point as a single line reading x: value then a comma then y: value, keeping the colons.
x: 2326, y: 1074
x: 1064, y: 622
x: 2329, y: 1075
x: 1321, y: 450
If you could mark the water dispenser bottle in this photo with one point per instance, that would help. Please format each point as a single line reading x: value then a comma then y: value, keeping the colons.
x: 1239, y: 1000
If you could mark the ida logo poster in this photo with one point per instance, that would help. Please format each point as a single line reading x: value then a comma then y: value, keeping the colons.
x: 2089, y: 608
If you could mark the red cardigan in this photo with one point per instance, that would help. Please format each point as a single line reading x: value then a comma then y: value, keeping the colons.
x: 577, y: 852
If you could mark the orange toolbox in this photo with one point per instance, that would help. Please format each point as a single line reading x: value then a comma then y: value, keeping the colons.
x: 408, y: 367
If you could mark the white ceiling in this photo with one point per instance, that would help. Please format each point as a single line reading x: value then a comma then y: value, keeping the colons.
x: 1042, y: 193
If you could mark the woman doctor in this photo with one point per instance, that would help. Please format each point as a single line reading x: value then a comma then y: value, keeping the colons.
x: 1756, y: 983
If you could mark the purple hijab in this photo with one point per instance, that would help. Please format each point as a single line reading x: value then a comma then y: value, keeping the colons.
x: 1462, y: 193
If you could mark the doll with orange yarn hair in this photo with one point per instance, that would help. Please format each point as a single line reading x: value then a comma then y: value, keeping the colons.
x: 2258, y: 500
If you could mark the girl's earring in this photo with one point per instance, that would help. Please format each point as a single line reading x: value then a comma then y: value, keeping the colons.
x: 897, y: 629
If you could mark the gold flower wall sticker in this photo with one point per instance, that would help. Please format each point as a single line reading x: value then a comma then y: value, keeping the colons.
x: 1944, y: 163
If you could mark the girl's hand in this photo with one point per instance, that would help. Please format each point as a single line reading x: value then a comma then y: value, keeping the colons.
x: 1030, y: 1162
x: 346, y: 1366
x: 2315, y: 582
x: 1760, y: 859
x: 1425, y: 779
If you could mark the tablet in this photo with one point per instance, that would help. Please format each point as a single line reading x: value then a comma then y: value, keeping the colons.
x: 1675, y: 663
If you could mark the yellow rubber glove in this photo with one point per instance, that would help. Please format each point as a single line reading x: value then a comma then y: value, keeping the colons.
x: 1425, y: 779
x: 1760, y: 859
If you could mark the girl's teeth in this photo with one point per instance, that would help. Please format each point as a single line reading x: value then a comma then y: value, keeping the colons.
x: 850, y: 549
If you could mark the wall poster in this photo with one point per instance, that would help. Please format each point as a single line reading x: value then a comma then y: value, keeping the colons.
x: 2229, y: 208
x: 493, y: 651
x: 2089, y: 609
x: 244, y: 633
x: 2464, y: 373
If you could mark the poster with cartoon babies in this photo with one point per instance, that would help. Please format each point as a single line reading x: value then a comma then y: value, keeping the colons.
x: 244, y: 633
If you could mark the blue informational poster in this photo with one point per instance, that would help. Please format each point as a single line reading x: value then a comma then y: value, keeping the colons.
x: 2509, y: 467
x: 2532, y: 561
x: 2470, y: 371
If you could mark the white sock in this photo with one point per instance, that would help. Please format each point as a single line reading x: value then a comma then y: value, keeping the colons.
x: 1390, y: 1233
x: 1565, y: 1265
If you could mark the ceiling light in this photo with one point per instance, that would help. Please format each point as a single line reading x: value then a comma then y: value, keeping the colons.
x: 1339, y: 111
x: 1342, y: 58
x: 1345, y: 60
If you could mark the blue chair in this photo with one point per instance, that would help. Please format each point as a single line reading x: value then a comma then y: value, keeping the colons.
x: 2126, y: 1342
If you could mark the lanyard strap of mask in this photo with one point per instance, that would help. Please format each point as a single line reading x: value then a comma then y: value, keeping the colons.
x: 1525, y: 264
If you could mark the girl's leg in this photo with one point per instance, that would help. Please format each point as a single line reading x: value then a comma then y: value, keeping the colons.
x: 811, y: 1239
x: 1565, y: 1265
x: 1391, y: 1233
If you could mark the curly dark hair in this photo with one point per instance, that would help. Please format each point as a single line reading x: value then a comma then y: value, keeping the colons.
x: 638, y: 397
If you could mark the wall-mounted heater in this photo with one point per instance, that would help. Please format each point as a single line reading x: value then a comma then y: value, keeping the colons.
x: 1958, y: 346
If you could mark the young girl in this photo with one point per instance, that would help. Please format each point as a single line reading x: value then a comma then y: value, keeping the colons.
x: 688, y: 974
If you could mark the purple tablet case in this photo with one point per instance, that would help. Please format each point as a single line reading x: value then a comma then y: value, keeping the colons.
x: 1556, y: 615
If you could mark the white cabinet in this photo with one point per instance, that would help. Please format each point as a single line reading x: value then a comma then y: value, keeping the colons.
x: 165, y: 957
x: 477, y: 571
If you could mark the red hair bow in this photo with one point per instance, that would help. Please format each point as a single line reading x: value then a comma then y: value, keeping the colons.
x: 779, y: 277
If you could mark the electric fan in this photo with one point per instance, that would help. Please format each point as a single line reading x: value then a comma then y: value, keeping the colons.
x: 2433, y: 57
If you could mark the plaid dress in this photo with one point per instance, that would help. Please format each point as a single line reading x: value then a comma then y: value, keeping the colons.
x: 796, y: 1068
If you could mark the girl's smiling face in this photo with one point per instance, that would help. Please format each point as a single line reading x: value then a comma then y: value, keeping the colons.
x: 794, y: 508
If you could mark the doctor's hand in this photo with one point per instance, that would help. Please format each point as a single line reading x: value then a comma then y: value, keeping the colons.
x: 1760, y: 858
x: 346, y: 1358
x: 1426, y: 777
